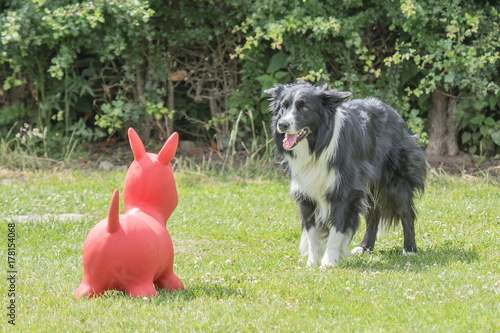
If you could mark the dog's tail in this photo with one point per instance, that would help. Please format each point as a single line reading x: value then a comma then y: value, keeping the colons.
x: 113, y: 214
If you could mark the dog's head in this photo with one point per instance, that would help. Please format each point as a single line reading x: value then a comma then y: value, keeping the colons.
x: 300, y: 111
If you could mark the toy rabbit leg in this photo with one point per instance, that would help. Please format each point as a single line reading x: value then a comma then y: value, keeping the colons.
x: 169, y: 281
x: 144, y: 288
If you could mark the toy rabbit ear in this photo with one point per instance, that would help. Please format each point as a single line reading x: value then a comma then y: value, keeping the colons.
x: 168, y: 150
x: 136, y: 144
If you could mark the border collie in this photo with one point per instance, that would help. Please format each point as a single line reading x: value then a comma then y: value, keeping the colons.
x: 345, y: 158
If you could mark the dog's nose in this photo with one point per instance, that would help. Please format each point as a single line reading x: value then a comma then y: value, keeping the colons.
x: 283, y: 126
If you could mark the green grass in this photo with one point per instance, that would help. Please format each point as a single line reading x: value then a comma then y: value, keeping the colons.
x: 236, y: 248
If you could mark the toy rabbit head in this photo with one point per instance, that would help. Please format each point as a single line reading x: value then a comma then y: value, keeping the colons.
x: 150, y: 183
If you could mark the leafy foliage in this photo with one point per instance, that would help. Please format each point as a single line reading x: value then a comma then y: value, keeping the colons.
x: 84, y: 70
x: 455, y: 46
x: 51, y: 46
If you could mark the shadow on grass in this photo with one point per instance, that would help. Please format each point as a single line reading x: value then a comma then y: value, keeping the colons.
x: 197, y: 291
x: 394, y: 259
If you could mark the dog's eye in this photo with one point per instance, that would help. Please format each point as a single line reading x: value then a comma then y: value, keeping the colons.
x: 304, y: 108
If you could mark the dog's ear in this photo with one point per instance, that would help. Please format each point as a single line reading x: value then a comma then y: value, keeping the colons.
x: 332, y: 97
x: 275, y: 91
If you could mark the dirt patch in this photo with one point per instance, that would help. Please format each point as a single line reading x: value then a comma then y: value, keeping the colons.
x: 8, y: 177
x: 464, y: 164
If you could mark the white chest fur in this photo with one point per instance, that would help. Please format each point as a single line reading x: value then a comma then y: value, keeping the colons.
x: 311, y: 176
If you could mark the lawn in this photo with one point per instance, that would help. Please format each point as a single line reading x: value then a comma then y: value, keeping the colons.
x: 236, y: 244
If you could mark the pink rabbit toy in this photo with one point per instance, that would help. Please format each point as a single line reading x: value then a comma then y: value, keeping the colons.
x: 133, y: 251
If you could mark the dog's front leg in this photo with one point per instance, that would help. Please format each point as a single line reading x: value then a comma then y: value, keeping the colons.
x: 344, y: 224
x: 337, y: 247
x: 316, y: 245
x: 311, y: 242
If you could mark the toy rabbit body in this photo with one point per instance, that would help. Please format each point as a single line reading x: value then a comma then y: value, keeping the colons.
x: 134, y: 251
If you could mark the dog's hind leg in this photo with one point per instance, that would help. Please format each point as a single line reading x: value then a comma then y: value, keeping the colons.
x: 372, y: 221
x: 404, y: 207
x: 409, y: 232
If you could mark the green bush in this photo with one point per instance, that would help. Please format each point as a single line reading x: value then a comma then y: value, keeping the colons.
x: 79, y: 70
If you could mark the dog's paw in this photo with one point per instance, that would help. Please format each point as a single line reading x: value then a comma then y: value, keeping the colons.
x: 409, y: 253
x: 325, y: 267
x: 358, y: 250
x: 311, y: 263
x: 328, y: 261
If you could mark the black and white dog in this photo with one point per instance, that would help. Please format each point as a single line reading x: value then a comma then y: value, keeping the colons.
x: 345, y: 158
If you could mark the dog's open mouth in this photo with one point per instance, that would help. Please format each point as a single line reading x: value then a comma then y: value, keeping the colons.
x: 291, y: 140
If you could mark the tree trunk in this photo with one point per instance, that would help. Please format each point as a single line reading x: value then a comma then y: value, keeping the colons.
x: 140, y: 83
x: 442, y: 125
x: 169, y: 123
x: 215, y: 113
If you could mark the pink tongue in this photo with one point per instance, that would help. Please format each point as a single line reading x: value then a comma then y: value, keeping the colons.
x: 289, y: 140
